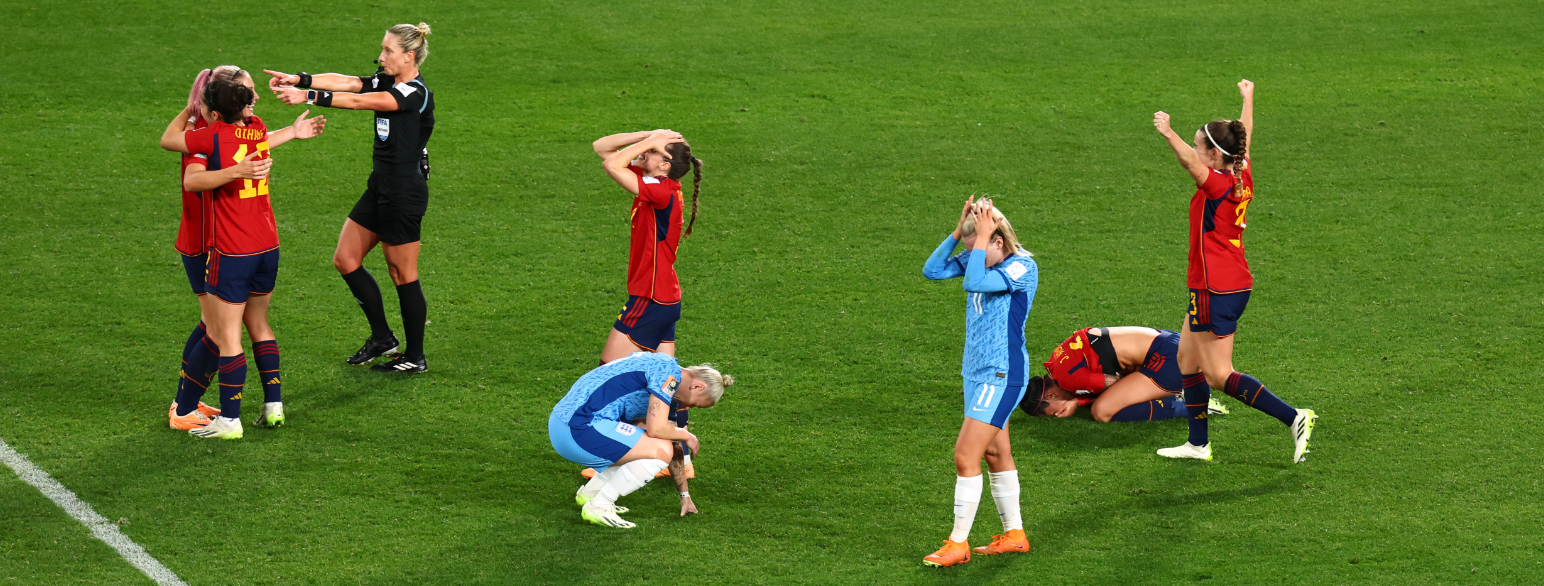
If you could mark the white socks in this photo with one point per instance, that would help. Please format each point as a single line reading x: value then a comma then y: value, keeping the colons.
x: 1005, y: 491
x: 967, y: 496
x: 597, y: 482
x: 628, y: 478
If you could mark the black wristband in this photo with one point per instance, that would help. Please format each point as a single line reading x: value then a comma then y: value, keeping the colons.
x: 305, y: 81
x: 324, y: 99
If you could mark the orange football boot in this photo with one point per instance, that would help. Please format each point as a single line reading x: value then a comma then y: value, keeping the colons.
x: 587, y: 473
x: 193, y: 420
x: 953, y: 553
x: 208, y: 411
x: 1014, y: 542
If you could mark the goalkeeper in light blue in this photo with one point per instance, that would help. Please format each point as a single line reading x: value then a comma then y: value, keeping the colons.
x: 1000, y: 278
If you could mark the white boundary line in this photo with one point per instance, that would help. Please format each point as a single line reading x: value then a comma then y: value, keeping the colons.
x: 105, y: 530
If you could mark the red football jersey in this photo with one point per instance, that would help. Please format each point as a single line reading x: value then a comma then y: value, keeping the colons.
x: 656, y: 219
x: 1075, y: 366
x: 241, y: 211
x: 192, y: 236
x: 1217, y: 233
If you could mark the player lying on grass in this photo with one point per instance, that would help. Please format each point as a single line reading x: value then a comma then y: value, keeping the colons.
x: 243, y: 246
x: 1093, y: 367
x: 649, y: 165
x: 1000, y: 280
x: 1219, y: 279
x: 589, y: 426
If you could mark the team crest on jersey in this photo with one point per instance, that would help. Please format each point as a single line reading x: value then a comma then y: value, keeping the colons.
x: 382, y: 128
x: 626, y: 428
x: 670, y: 386
x: 1017, y: 270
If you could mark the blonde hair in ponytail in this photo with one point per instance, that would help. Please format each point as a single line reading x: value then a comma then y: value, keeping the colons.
x: 715, y: 380
x: 412, y: 39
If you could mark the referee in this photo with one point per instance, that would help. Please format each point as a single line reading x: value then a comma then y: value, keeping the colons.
x: 392, y: 208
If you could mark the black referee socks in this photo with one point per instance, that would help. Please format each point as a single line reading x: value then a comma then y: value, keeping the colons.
x: 415, y: 312
x: 368, y: 294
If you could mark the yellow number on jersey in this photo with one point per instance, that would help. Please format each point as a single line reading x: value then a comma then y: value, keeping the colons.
x: 247, y: 188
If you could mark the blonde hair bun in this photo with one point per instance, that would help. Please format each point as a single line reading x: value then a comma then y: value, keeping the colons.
x: 423, y: 29
x: 728, y: 380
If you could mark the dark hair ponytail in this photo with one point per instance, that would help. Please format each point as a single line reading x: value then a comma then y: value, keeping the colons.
x: 228, y: 98
x: 681, y: 160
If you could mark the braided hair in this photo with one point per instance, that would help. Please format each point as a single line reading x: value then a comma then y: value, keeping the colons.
x: 681, y: 160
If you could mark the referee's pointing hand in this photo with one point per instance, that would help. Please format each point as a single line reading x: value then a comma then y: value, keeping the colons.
x: 279, y: 80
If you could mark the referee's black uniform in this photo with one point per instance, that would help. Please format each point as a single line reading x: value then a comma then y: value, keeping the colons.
x: 397, y: 195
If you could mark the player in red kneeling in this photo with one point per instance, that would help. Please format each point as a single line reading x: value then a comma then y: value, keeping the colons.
x: 1219, y: 278
x: 1093, y: 369
x: 243, y: 246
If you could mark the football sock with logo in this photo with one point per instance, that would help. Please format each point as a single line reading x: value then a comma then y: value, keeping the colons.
x: 202, y: 360
x: 415, y: 312
x: 1151, y: 411
x: 187, y: 349
x: 1197, y: 395
x: 1005, y: 492
x: 967, y: 496
x: 266, y: 355
x: 599, y: 481
x: 368, y: 294
x: 233, y: 376
x: 632, y: 476
x: 1248, y: 389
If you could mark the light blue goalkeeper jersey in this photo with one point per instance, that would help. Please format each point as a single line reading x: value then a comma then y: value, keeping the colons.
x: 997, y: 306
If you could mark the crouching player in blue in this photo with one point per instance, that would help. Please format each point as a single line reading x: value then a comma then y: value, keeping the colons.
x: 590, y: 426
x: 1000, y: 281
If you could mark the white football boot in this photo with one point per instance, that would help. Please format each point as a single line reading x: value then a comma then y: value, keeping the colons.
x: 581, y: 498
x: 270, y: 415
x: 219, y: 428
x: 604, y: 516
x: 1188, y: 451
x: 1302, y: 429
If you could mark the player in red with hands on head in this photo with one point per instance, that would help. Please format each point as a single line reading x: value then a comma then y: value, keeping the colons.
x: 242, y: 243
x: 649, y: 165
x: 1219, y: 277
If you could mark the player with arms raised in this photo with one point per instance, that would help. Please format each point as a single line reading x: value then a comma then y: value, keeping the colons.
x: 1219, y: 277
x: 391, y: 210
x: 1000, y: 282
x: 589, y: 426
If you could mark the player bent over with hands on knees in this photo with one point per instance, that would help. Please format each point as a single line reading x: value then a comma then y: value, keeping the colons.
x: 589, y: 427
x: 243, y: 248
x: 391, y: 210
x: 1000, y: 279
x: 1219, y: 279
x: 1093, y: 367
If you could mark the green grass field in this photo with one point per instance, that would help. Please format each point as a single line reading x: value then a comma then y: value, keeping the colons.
x: 1395, y: 241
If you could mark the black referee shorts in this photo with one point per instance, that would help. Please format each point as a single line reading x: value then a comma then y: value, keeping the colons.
x: 393, y: 205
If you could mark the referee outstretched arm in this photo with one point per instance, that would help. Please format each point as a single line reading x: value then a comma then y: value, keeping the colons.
x: 391, y: 210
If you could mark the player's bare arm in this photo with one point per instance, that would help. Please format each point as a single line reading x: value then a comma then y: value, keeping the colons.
x: 172, y: 138
x: 199, y: 178
x: 1246, y: 90
x: 376, y: 101
x: 332, y: 82
x: 1182, y: 150
x: 302, y: 129
x: 658, y: 424
x: 606, y: 146
x: 616, y: 164
x: 678, y: 474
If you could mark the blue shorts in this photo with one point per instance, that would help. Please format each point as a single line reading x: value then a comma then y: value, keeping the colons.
x: 194, y: 265
x: 1162, y: 363
x: 234, y: 278
x: 647, y: 322
x: 1218, y: 314
x: 597, y: 445
x: 991, y: 402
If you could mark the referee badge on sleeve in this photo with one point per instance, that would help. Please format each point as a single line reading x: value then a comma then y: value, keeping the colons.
x: 382, y: 128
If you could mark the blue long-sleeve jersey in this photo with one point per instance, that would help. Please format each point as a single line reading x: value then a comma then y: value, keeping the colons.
x: 996, y: 309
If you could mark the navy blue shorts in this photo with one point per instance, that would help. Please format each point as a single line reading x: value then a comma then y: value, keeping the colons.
x: 194, y: 265
x: 647, y: 322
x: 1162, y: 363
x: 234, y: 278
x: 1218, y: 314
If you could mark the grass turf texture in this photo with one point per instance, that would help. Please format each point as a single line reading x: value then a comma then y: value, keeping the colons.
x: 1394, y: 239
